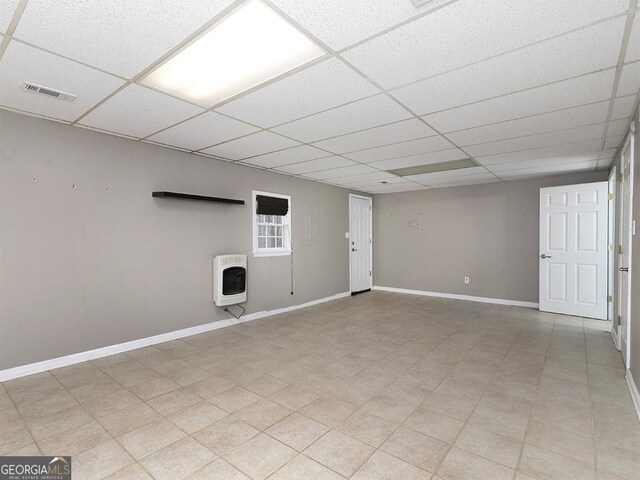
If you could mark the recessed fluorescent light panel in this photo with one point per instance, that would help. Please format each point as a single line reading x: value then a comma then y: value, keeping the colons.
x: 434, y: 167
x: 249, y: 46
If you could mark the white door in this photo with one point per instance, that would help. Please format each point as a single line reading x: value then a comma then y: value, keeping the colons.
x: 611, y: 263
x: 573, y: 250
x: 360, y: 242
x: 624, y: 249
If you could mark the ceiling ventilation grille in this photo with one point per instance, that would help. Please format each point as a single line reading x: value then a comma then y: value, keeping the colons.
x: 34, y: 88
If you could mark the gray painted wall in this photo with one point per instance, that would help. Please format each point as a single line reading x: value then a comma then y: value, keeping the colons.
x: 486, y: 232
x: 88, y: 267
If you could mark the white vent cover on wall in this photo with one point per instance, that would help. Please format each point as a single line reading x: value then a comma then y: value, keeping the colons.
x: 229, y: 279
x: 51, y: 92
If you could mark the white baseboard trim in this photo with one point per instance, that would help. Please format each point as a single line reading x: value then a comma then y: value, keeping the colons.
x: 455, y: 296
x: 633, y: 390
x: 614, y: 335
x: 30, y: 369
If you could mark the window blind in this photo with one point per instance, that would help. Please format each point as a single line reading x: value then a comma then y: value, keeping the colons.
x: 271, y: 205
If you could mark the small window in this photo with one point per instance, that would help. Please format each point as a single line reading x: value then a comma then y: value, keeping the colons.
x: 271, y: 224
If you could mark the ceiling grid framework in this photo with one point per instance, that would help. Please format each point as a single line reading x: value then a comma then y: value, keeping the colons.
x: 570, y: 115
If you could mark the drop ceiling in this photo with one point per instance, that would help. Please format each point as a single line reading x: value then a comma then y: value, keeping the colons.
x: 521, y: 88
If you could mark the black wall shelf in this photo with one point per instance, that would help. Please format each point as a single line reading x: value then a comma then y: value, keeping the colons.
x: 200, y: 198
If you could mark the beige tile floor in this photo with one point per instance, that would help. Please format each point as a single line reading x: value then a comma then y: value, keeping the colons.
x: 377, y: 386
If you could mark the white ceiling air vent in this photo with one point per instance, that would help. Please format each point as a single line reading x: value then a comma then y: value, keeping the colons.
x: 34, y: 88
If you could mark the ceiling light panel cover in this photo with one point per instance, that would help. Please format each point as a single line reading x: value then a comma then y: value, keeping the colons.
x: 249, y: 46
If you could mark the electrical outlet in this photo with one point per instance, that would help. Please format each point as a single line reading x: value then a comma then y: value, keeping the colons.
x: 466, y: 279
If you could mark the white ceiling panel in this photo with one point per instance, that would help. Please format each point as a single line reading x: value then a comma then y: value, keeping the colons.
x: 613, y: 142
x: 608, y: 154
x: 22, y: 63
x: 378, y: 136
x: 572, y: 135
x: 633, y: 48
x: 412, y: 147
x: 251, y: 145
x: 477, y: 179
x: 547, y: 122
x: 468, y: 31
x: 425, y: 178
x: 629, y: 80
x: 153, y: 111
x: 316, y: 165
x: 543, y: 170
x: 285, y: 157
x: 568, y: 93
x: 557, y: 59
x: 623, y: 107
x: 365, y: 177
x: 7, y: 9
x: 543, y: 152
x: 374, y: 183
x: 421, y: 159
x: 367, y: 113
x: 618, y: 127
x: 329, y: 175
x: 410, y: 187
x: 340, y: 23
x: 320, y: 87
x: 203, y: 131
x: 544, y: 162
x: 119, y: 36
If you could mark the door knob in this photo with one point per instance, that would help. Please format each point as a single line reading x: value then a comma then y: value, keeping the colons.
x: 624, y: 269
x: 354, y: 249
x: 545, y: 256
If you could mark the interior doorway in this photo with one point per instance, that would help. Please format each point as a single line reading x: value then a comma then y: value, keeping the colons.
x: 624, y: 249
x: 360, y: 243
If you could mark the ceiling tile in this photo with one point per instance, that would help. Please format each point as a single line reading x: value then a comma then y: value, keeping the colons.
x: 122, y: 36
x: 623, y: 107
x: 412, y: 147
x: 618, y: 127
x: 568, y: 93
x: 22, y: 63
x: 139, y: 111
x: 547, y: 122
x: 613, y: 142
x: 542, y: 152
x: 319, y: 87
x: 633, y: 48
x: 340, y: 172
x: 251, y: 145
x: 360, y: 115
x: 572, y: 135
x: 378, y: 136
x: 285, y: 157
x: 467, y: 31
x: 365, y: 177
x: 548, y: 170
x: 375, y: 183
x: 629, y: 80
x: 580, y: 52
x: 7, y: 9
x: 461, y: 172
x: 205, y: 130
x: 411, y: 187
x: 316, y: 165
x: 421, y: 159
x: 340, y: 23
x: 544, y: 162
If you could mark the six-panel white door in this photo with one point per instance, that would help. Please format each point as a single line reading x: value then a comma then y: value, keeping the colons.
x: 360, y: 242
x: 573, y: 249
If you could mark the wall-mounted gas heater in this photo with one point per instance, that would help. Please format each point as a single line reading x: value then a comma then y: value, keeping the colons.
x: 229, y: 279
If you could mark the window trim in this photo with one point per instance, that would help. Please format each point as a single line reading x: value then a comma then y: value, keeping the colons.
x: 265, y: 251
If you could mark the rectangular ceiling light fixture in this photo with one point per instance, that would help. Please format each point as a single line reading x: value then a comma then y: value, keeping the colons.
x: 248, y: 47
x: 434, y: 167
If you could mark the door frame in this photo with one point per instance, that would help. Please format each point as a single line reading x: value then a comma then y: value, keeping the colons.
x: 611, y: 254
x: 370, y: 200
x: 629, y: 142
